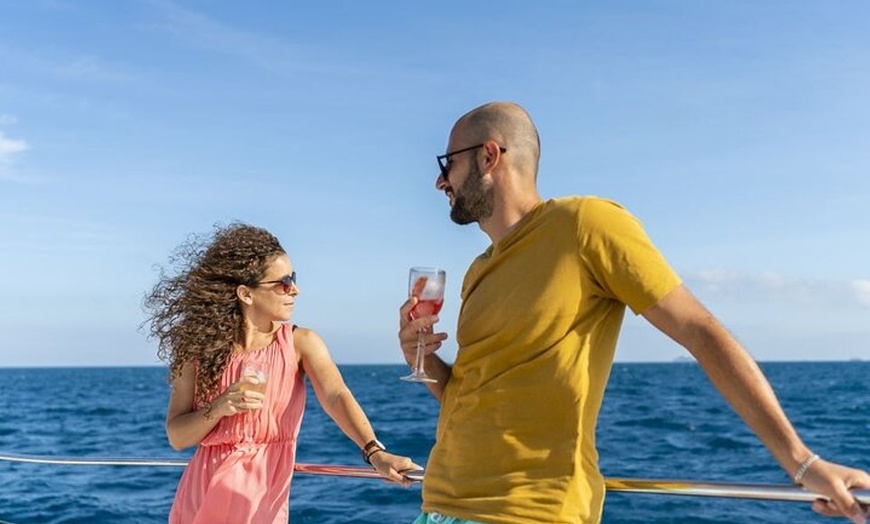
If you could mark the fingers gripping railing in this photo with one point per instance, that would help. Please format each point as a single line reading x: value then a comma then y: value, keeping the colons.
x: 778, y: 492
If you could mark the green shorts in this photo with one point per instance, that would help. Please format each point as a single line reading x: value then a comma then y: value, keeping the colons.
x: 437, y: 518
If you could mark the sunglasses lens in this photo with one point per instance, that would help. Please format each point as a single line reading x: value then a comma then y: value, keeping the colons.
x: 288, y: 282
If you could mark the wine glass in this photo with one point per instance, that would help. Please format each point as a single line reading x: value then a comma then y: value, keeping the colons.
x: 260, y: 387
x: 427, y: 284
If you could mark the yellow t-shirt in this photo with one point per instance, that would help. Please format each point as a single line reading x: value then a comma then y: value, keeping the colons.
x: 537, y: 331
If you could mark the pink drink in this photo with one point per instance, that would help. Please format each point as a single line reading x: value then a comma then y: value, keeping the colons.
x: 425, y: 308
x: 426, y: 284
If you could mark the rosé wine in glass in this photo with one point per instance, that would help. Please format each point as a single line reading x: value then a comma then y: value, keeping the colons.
x: 427, y: 285
x: 426, y: 307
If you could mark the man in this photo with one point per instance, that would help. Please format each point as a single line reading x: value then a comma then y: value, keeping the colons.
x: 541, y: 312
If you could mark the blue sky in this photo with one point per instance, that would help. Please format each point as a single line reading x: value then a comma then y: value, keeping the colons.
x: 739, y: 132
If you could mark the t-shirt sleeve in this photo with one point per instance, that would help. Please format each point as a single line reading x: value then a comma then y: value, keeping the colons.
x: 623, y: 262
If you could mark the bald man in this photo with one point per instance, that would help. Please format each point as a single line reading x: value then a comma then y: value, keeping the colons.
x: 541, y: 312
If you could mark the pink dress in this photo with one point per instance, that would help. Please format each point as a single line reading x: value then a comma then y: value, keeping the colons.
x: 232, y: 478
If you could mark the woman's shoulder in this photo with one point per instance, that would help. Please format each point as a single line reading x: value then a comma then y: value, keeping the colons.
x: 304, y: 337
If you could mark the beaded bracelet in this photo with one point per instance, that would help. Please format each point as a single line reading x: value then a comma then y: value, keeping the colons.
x: 801, y: 471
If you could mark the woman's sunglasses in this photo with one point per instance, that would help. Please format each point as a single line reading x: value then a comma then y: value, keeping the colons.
x: 287, y: 282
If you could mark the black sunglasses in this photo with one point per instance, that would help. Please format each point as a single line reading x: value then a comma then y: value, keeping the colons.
x: 287, y: 281
x: 444, y: 160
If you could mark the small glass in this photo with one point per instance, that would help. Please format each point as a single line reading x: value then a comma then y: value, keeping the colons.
x: 260, y: 387
x: 427, y: 284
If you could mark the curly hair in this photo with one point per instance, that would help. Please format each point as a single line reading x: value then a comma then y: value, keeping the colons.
x: 194, y: 313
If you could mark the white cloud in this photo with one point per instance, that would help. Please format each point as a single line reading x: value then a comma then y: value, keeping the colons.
x: 207, y: 33
x: 92, y: 68
x: 778, y: 287
x: 269, y: 53
x: 861, y: 289
x: 87, y: 68
x: 10, y: 147
x: 45, y: 236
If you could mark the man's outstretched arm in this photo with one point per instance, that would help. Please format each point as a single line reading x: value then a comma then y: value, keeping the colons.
x: 741, y: 382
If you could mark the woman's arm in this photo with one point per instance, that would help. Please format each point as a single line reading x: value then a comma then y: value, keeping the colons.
x: 187, y: 427
x: 339, y: 403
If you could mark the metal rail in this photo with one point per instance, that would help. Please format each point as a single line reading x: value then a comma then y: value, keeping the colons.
x: 788, y: 493
x: 780, y: 492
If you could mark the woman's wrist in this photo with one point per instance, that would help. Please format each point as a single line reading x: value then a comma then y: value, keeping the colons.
x: 212, y: 410
x: 371, y: 448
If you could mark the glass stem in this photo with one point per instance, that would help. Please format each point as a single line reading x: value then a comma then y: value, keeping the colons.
x: 418, y: 364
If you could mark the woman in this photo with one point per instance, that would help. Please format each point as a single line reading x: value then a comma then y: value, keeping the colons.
x: 237, y: 370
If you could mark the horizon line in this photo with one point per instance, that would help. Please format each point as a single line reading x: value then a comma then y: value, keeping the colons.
x: 677, y: 360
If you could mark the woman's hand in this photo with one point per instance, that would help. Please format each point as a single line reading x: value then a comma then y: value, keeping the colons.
x: 238, y: 398
x: 392, y: 466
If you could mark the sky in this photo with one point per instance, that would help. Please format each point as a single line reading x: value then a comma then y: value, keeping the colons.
x: 738, y: 132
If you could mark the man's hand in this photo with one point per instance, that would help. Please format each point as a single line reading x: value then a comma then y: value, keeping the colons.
x: 409, y: 331
x: 835, y: 481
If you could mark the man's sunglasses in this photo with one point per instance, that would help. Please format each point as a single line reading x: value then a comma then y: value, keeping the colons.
x: 444, y: 160
x: 287, y: 282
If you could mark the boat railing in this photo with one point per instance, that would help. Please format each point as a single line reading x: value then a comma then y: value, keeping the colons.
x: 776, y: 492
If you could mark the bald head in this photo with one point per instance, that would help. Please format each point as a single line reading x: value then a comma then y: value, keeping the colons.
x: 509, y: 125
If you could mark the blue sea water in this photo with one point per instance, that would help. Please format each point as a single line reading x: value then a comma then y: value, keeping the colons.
x: 658, y: 421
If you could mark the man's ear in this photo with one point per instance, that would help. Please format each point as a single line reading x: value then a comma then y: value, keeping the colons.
x: 492, y: 156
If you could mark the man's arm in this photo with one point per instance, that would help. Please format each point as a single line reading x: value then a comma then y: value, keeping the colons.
x: 740, y: 381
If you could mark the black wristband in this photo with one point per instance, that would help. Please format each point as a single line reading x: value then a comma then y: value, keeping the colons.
x: 372, y: 447
x: 372, y: 453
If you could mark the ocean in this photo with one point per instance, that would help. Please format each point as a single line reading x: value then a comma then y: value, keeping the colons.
x: 658, y: 421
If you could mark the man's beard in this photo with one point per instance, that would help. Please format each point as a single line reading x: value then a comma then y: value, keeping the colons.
x: 475, y: 203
